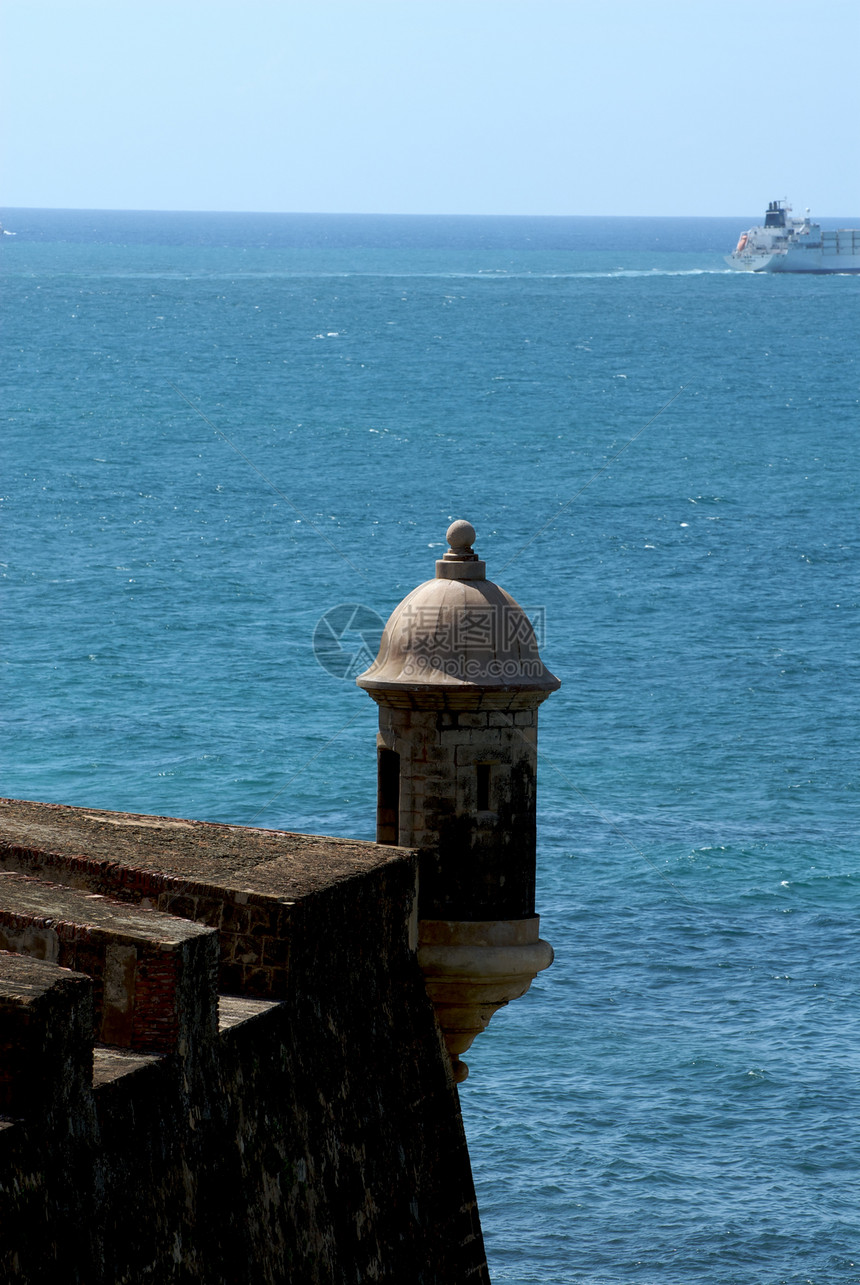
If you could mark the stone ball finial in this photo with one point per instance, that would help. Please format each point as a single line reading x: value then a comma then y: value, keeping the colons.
x: 460, y: 562
x: 460, y: 536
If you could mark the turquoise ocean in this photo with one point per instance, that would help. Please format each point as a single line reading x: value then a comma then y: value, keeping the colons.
x: 217, y: 428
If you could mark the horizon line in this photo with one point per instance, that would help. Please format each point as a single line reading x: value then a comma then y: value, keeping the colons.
x: 352, y: 214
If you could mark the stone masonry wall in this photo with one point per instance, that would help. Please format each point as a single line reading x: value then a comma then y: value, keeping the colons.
x: 139, y: 961
x: 252, y: 928
x: 474, y: 863
x: 315, y: 1137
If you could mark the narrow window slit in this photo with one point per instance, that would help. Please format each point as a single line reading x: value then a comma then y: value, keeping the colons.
x: 483, y: 786
x: 388, y: 797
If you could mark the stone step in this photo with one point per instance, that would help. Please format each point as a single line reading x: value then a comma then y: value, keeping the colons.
x: 154, y: 975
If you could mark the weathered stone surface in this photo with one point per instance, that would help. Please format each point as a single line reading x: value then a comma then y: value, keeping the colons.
x: 315, y: 1140
x: 48, y: 1174
x: 46, y: 1036
x: 198, y: 852
x: 244, y: 882
x: 153, y: 975
x: 474, y: 864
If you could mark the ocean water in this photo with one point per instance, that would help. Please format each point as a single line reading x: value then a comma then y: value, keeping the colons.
x: 217, y: 428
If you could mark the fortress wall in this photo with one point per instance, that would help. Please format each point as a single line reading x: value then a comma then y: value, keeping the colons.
x: 153, y: 976
x: 48, y: 1123
x: 315, y: 1136
x: 253, y: 929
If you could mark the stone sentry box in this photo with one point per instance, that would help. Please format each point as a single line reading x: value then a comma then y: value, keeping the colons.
x: 458, y: 681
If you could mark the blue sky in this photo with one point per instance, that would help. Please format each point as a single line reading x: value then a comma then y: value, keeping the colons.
x: 431, y: 106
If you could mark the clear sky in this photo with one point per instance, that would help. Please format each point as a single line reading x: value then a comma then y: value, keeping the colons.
x: 431, y: 106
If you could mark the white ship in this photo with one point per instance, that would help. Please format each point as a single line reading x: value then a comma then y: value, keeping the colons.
x: 786, y: 244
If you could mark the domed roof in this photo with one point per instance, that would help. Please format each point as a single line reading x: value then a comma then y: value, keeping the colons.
x: 458, y: 632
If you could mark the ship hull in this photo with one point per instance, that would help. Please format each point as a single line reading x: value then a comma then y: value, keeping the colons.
x: 805, y: 263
